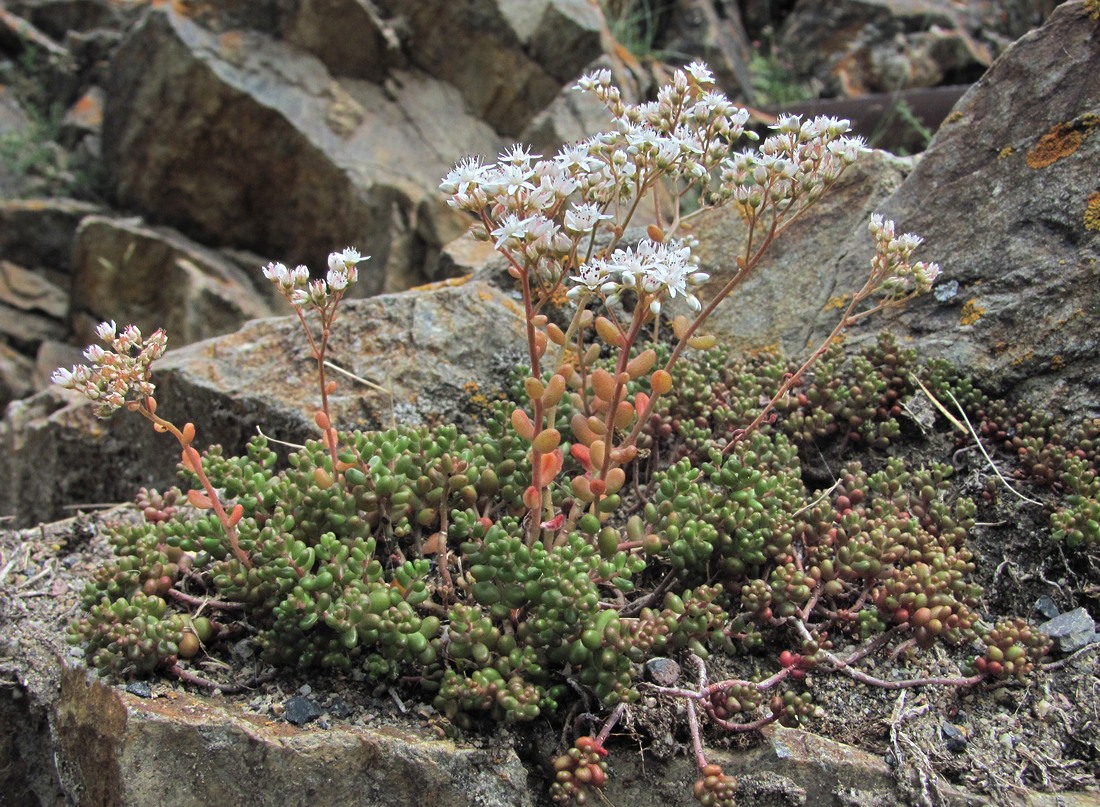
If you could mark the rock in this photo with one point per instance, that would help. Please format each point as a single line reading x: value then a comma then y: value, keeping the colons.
x: 300, y: 710
x: 190, y: 122
x: 349, y: 36
x: 41, y: 232
x: 16, y: 375
x: 1002, y: 199
x: 789, y: 300
x: 865, y: 46
x: 54, y: 451
x: 1070, y: 631
x: 570, y: 117
x: 156, y: 278
x: 515, y: 54
x: 58, y: 17
x: 107, y: 738
x: 662, y: 671
x: 713, y: 31
x: 1046, y: 608
x: 32, y: 309
x: 29, y: 291
x: 85, y: 116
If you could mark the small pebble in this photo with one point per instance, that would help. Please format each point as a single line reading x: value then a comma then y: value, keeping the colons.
x: 140, y: 689
x: 662, y: 671
x: 954, y: 737
x: 1046, y: 608
x: 300, y: 710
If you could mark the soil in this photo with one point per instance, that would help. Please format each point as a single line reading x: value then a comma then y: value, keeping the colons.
x: 998, y: 742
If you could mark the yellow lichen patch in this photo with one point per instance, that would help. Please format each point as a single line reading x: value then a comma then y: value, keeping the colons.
x: 558, y: 298
x: 1057, y: 362
x: 1007, y: 151
x: 1092, y: 8
x: 953, y: 117
x: 450, y: 282
x: 1061, y: 141
x: 971, y: 313
x: 837, y: 303
x: 1092, y: 210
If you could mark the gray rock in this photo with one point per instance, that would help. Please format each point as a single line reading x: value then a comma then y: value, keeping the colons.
x: 16, y: 375
x: 238, y: 139
x: 300, y: 710
x: 1070, y: 631
x: 156, y: 278
x: 515, y: 54
x: 790, y: 299
x: 41, y: 232
x: 120, y: 750
x: 32, y: 309
x: 861, y: 46
x: 1002, y: 198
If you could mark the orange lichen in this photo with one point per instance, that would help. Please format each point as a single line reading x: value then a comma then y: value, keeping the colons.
x: 1092, y: 210
x: 1061, y: 141
x: 447, y: 283
x: 971, y: 313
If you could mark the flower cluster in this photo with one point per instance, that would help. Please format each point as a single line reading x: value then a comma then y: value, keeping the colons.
x: 119, y: 376
x: 296, y: 286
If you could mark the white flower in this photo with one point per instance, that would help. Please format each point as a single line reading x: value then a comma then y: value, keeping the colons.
x: 590, y: 81
x: 583, y: 218
x: 591, y: 275
x: 465, y: 175
x: 513, y: 227
x: 342, y: 268
x: 518, y: 155
x: 337, y: 280
x: 699, y: 72
x: 106, y: 331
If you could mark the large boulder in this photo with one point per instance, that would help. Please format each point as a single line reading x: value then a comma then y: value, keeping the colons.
x: 237, y: 138
x: 1006, y: 199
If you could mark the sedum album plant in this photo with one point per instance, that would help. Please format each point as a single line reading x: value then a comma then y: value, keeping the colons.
x: 638, y: 497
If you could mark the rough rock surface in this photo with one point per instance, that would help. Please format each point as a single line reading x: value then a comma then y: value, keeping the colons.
x: 515, y: 54
x: 861, y: 46
x: 240, y: 139
x: 155, y: 278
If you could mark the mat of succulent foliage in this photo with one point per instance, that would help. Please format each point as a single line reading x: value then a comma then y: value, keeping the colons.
x: 637, y: 493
